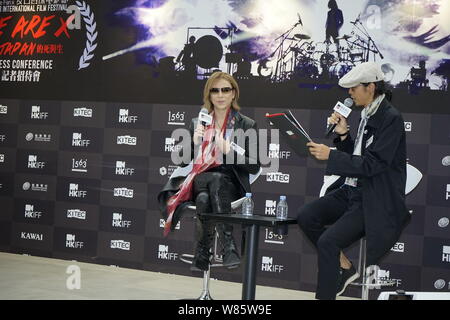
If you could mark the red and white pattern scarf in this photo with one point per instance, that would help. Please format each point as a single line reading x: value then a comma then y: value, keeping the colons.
x: 206, y: 159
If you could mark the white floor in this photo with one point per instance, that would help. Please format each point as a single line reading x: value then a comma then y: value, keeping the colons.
x: 27, y: 277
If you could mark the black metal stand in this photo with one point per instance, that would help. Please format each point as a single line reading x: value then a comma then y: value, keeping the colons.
x: 252, y: 224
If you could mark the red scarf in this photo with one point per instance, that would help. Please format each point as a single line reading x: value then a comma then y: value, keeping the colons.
x: 205, y: 160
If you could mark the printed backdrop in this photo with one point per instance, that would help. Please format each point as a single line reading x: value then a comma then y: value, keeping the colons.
x: 91, y: 91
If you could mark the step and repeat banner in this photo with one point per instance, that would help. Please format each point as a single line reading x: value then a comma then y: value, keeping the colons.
x: 91, y: 92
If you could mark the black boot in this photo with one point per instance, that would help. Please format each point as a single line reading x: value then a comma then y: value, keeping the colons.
x: 202, y: 256
x: 179, y: 211
x: 230, y: 253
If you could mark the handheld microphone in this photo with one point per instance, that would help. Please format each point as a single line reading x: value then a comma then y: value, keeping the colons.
x: 204, y: 118
x: 343, y: 109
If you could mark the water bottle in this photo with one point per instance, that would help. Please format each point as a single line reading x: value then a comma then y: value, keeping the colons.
x: 247, y: 205
x: 282, y: 208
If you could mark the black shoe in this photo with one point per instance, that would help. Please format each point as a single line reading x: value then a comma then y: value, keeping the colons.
x: 179, y: 211
x: 231, y: 259
x: 199, y: 265
x: 201, y: 261
x: 346, y: 276
x: 202, y: 256
x: 230, y: 254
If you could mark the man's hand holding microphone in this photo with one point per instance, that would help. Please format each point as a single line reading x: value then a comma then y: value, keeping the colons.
x: 337, y: 123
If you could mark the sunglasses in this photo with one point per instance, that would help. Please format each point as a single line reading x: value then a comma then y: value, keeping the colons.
x: 224, y: 90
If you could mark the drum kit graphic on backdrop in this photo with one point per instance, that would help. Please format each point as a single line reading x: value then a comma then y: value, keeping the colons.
x: 296, y: 57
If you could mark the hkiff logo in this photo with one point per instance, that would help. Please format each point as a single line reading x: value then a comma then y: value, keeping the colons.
x: 75, y: 193
x: 122, y: 170
x: 37, y: 114
x: 445, y: 253
x: 275, y: 153
x: 78, y: 141
x: 124, y: 116
x: 162, y: 223
x: 271, y: 207
x: 72, y: 243
x: 268, y: 265
x: 118, y: 222
x: 33, y: 162
x: 31, y: 213
x: 163, y: 253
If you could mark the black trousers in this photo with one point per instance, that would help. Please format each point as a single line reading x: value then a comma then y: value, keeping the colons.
x: 332, y: 223
x: 214, y: 192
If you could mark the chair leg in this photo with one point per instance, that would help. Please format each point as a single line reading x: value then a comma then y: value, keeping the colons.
x: 205, y: 295
x: 363, y: 271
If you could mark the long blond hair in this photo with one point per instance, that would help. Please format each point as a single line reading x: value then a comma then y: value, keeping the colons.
x: 206, y: 94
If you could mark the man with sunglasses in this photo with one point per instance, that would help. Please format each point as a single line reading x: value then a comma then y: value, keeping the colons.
x: 221, y: 170
x: 371, y: 202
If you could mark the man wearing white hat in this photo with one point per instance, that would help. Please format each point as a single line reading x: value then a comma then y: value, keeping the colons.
x: 371, y: 202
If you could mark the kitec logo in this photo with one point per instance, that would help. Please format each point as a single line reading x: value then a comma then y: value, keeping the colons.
x: 121, y: 244
x: 128, y: 140
x: 76, y: 213
x: 123, y: 192
x: 398, y: 247
x: 82, y: 112
x: 408, y: 126
x: 277, y: 177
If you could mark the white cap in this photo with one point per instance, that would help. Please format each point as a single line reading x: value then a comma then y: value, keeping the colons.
x: 363, y: 73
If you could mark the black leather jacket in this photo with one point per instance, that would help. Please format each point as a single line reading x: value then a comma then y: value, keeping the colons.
x: 244, y: 164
